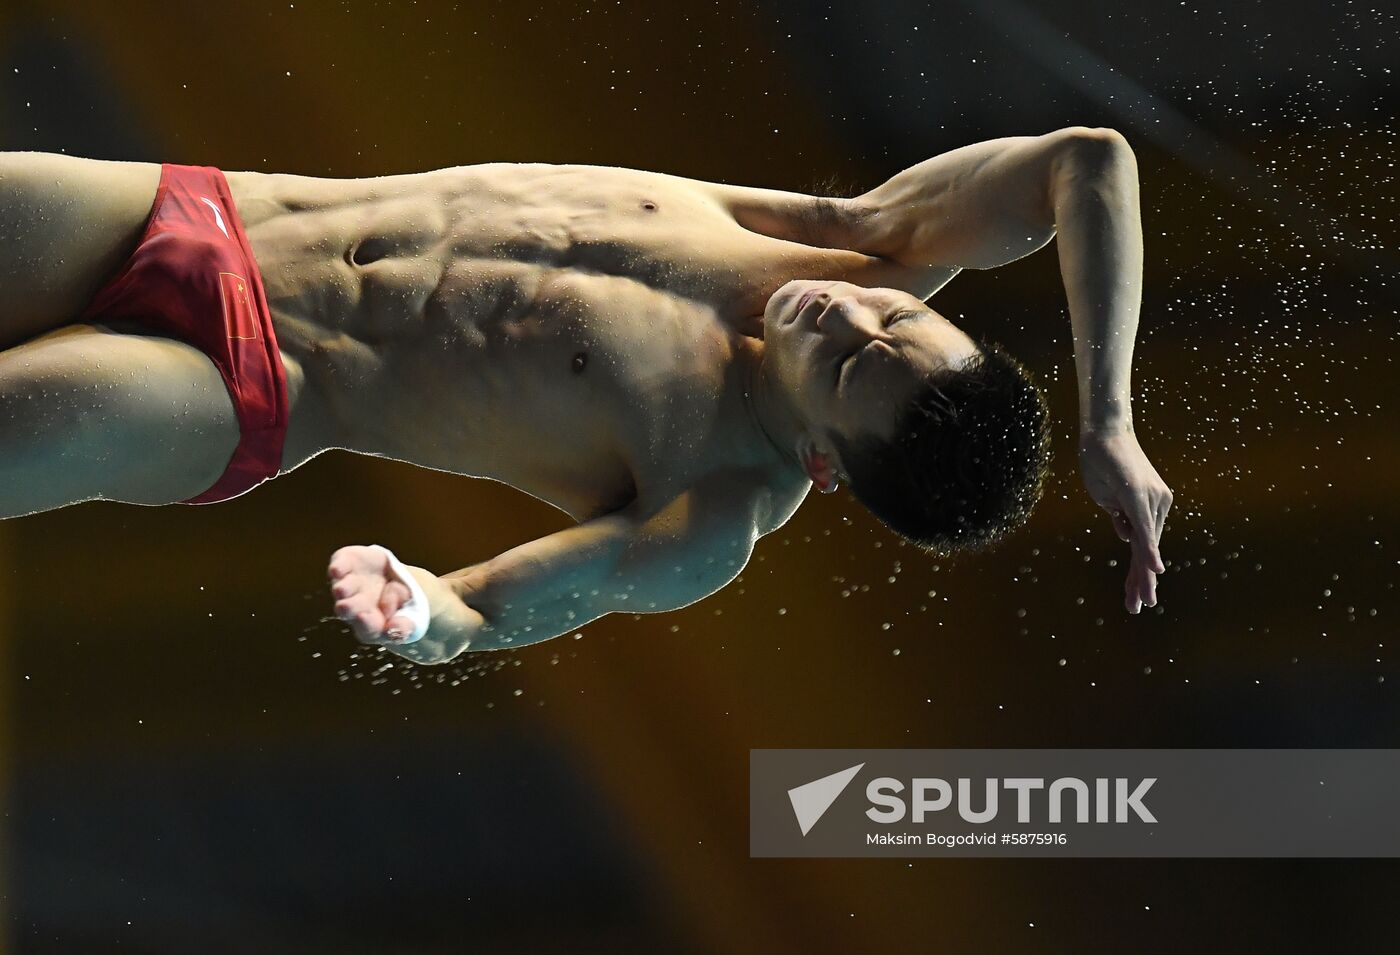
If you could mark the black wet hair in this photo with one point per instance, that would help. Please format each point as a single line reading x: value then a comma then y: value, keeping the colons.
x: 968, y: 460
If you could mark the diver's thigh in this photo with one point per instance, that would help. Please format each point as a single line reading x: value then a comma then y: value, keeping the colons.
x: 66, y: 226
x: 88, y: 413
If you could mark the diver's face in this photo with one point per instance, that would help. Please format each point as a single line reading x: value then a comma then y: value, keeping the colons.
x: 849, y: 358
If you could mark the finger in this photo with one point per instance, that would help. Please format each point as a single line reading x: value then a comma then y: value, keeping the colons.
x: 399, y: 628
x: 1145, y: 538
x: 1147, y: 586
x: 346, y: 609
x: 1130, y: 601
x: 370, y: 635
x: 343, y: 561
x: 366, y: 622
x: 1164, y: 507
x: 1121, y: 526
x: 394, y: 596
x: 1153, y: 559
x: 348, y: 586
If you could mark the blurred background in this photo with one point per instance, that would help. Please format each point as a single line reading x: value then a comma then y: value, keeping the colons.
x: 195, y: 758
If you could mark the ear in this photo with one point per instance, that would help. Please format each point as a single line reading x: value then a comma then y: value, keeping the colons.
x: 819, y: 463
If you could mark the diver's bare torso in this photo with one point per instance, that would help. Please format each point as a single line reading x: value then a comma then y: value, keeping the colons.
x: 574, y: 331
x: 579, y: 332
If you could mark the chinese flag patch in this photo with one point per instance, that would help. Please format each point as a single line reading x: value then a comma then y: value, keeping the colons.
x: 239, y: 317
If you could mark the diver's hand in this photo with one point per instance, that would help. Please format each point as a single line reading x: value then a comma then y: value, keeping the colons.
x: 370, y: 597
x: 1126, y: 485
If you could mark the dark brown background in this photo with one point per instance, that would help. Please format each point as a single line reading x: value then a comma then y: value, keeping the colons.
x: 196, y: 760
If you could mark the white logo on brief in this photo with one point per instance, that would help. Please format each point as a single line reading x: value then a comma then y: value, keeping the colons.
x: 218, y: 219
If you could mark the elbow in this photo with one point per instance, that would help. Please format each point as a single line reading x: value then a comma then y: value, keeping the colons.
x: 1092, y: 136
x: 1096, y: 158
x: 1093, y: 147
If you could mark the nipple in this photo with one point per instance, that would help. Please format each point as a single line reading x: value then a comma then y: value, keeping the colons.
x: 580, y: 362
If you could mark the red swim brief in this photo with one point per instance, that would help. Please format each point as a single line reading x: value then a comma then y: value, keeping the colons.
x: 193, y: 278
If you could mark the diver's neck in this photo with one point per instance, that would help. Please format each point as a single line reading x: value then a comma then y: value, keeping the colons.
x: 769, y: 416
x: 750, y: 327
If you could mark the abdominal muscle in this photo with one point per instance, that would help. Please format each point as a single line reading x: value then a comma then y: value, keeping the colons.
x: 460, y: 342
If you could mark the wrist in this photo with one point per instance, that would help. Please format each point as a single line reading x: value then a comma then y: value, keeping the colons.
x: 1104, y: 428
x: 445, y: 598
x: 453, y: 626
x: 1105, y: 415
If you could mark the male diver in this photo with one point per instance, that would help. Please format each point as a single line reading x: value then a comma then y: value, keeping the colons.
x: 673, y: 363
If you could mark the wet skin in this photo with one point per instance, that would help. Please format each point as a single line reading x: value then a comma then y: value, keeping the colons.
x: 632, y: 347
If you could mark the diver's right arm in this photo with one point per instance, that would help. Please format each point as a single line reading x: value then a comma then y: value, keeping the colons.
x: 991, y: 203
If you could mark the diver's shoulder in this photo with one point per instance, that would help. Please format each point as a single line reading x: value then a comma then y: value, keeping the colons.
x: 758, y: 499
x: 783, y: 495
x: 763, y: 498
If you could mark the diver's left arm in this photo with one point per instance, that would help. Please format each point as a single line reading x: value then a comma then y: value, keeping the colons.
x: 991, y: 203
x: 643, y: 558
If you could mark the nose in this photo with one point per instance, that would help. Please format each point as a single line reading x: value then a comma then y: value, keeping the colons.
x: 845, y: 320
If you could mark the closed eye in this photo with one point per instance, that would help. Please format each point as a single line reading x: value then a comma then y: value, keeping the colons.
x: 840, y: 367
x: 845, y: 363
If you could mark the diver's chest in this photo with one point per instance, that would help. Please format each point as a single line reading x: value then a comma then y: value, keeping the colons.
x: 637, y: 344
x: 658, y: 399
x: 651, y: 388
